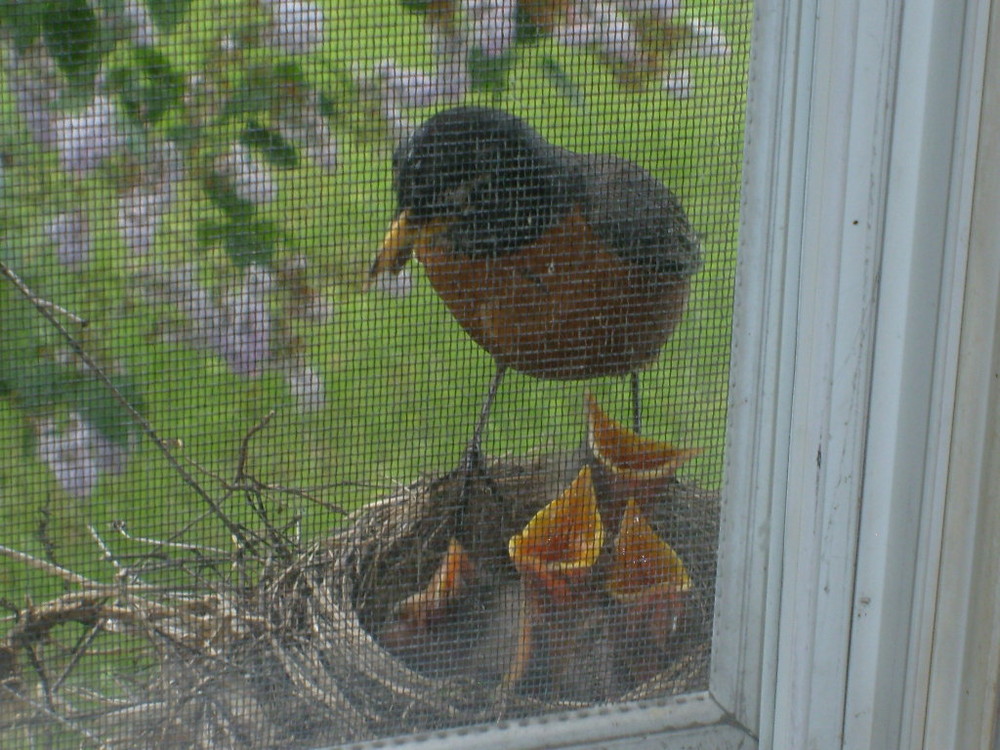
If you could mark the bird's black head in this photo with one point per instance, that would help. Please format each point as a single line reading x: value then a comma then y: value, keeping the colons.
x: 498, y: 182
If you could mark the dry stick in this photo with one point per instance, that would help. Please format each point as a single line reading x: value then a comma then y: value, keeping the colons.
x: 122, y: 528
x: 38, y: 301
x: 46, y: 309
x: 241, y: 463
x: 89, y: 585
x: 82, y: 646
x: 51, y: 568
x: 55, y: 716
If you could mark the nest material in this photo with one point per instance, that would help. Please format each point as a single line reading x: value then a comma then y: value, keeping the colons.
x: 296, y: 660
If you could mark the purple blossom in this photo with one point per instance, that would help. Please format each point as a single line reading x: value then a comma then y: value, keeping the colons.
x: 297, y: 26
x: 395, y: 285
x: 90, y: 137
x: 305, y: 386
x: 141, y: 31
x: 658, y: 10
x: 68, y: 450
x: 246, y: 332
x: 34, y: 82
x: 492, y: 25
x: 70, y: 233
x: 249, y: 178
x: 309, y: 131
x: 140, y: 212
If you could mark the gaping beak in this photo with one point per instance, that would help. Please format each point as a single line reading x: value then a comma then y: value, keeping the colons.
x: 397, y: 249
x: 560, y: 545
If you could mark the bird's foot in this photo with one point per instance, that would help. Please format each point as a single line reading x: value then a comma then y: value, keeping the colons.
x: 478, y: 506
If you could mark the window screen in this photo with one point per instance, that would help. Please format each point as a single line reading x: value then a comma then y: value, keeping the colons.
x: 363, y: 364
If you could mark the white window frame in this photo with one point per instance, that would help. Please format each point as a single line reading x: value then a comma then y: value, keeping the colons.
x: 857, y: 604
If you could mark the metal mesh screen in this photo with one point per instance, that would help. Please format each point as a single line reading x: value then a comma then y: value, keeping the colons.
x: 363, y: 363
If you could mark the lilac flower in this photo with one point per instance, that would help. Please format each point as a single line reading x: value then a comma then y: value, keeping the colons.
x: 87, y: 139
x: 78, y: 454
x: 407, y: 87
x: 297, y: 26
x: 492, y: 25
x: 112, y: 456
x: 140, y: 211
x: 305, y: 386
x: 451, y: 54
x: 603, y: 25
x: 34, y: 82
x: 395, y: 285
x: 68, y: 450
x: 139, y: 23
x: 70, y: 233
x: 178, y: 286
x: 398, y: 89
x: 323, y: 150
x: 709, y: 41
x: 309, y: 131
x: 250, y: 179
x: 616, y: 36
x: 246, y: 332
x: 162, y: 169
x: 658, y: 10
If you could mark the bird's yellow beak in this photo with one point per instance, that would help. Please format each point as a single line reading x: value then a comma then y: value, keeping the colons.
x: 396, y: 251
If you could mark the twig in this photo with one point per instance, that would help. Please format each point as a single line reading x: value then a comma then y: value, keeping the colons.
x: 69, y: 724
x: 79, y: 650
x: 51, y: 568
x: 305, y: 495
x: 41, y: 304
x: 46, y: 310
x: 122, y: 528
x: 109, y: 556
x: 245, y: 446
x: 89, y: 584
x: 43, y: 675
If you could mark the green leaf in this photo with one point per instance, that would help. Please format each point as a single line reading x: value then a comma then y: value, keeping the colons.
x: 275, y: 149
x: 127, y: 84
x: 98, y: 405
x: 165, y: 85
x: 250, y: 243
x: 150, y: 89
x: 289, y: 72
x: 416, y: 6
x: 208, y: 233
x: 23, y: 20
x: 22, y: 370
x: 221, y: 192
x: 183, y: 135
x: 328, y: 106
x: 167, y: 13
x: 72, y: 35
x: 254, y: 94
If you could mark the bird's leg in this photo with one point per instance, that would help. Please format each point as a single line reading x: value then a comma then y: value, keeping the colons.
x: 472, y: 457
x: 636, y: 402
x: 478, y: 513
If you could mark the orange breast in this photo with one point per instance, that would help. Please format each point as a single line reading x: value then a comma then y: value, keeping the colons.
x: 562, y: 308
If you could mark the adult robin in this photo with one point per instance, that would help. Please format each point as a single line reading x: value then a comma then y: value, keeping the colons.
x: 562, y: 265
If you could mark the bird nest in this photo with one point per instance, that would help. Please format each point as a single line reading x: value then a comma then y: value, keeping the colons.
x: 303, y: 646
